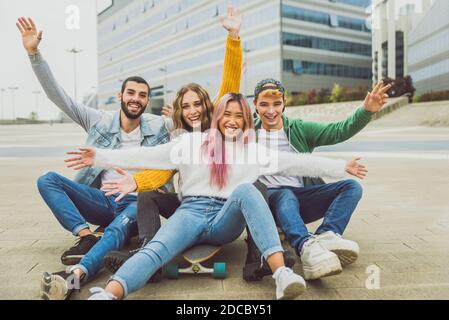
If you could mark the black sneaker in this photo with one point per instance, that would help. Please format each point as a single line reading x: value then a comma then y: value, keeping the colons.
x: 252, y: 271
x: 115, y: 259
x: 59, y: 285
x: 76, y: 253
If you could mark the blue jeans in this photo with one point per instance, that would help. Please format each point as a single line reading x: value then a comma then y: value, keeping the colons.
x: 293, y: 208
x: 74, y: 205
x: 201, y: 220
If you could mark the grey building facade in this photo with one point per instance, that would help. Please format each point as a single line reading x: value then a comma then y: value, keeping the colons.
x: 307, y: 44
x: 428, y: 53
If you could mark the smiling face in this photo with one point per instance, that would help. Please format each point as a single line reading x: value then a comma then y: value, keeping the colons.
x: 270, y: 107
x: 134, y: 99
x: 192, y: 109
x: 232, y: 122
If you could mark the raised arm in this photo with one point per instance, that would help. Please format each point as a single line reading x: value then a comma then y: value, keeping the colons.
x: 232, y: 68
x: 31, y: 38
x: 320, y: 134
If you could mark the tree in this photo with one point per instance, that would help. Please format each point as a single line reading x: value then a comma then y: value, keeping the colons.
x: 337, y: 93
x: 33, y: 116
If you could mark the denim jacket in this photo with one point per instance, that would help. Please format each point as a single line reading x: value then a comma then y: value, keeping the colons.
x: 102, y: 127
x: 105, y: 134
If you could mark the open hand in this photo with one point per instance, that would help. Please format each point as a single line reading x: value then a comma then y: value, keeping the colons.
x: 168, y: 111
x: 233, y: 21
x: 376, y: 99
x: 356, y: 169
x: 31, y: 37
x: 85, y: 157
x: 125, y: 185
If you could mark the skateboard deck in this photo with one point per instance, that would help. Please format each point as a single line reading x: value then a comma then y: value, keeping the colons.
x: 200, y: 253
x: 196, y: 256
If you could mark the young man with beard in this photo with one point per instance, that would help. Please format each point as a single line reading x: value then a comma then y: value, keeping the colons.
x: 77, y: 203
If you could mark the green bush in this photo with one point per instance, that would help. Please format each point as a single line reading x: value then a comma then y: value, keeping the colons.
x: 435, y: 96
x: 337, y: 93
x: 325, y: 95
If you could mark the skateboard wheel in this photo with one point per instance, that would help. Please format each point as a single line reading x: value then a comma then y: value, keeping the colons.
x: 220, y: 270
x: 172, y: 271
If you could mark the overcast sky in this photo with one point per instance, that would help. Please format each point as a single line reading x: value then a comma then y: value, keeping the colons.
x: 50, y: 16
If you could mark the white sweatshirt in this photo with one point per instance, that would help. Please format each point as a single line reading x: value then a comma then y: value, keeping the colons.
x: 247, y: 163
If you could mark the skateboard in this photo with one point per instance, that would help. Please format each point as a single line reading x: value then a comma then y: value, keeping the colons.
x: 196, y: 257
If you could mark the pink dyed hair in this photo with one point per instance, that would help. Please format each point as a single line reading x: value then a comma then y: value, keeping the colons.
x: 214, y: 146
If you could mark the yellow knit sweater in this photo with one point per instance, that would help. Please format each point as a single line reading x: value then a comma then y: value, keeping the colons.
x: 150, y: 180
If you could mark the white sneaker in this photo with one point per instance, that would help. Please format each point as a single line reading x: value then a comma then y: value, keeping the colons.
x: 289, y: 285
x: 101, y: 294
x: 346, y: 250
x: 317, y: 261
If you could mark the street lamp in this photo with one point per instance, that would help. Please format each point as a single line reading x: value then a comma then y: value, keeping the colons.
x: 74, y: 51
x: 13, y: 89
x: 165, y: 71
x: 2, y: 91
x: 37, y: 93
x: 246, y: 51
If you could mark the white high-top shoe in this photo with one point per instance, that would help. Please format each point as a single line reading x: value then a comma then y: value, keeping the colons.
x: 346, y: 250
x: 317, y: 261
x: 289, y: 285
x: 101, y: 294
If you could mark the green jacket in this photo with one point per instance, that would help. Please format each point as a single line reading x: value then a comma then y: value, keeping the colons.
x: 305, y: 136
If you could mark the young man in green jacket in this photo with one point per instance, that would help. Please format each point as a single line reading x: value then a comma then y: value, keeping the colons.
x: 296, y: 201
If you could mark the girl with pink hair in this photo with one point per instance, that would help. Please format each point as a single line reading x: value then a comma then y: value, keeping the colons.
x: 218, y: 169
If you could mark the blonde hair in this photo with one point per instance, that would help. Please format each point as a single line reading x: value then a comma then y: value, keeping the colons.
x: 271, y: 93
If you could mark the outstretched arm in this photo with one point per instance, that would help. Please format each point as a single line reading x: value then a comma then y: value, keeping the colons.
x: 157, y: 157
x: 31, y: 38
x: 307, y: 165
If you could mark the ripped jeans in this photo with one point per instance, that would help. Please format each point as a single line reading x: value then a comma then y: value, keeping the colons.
x: 74, y: 205
x: 203, y: 220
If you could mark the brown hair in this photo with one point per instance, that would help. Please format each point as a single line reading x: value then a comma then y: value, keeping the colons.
x: 206, y: 116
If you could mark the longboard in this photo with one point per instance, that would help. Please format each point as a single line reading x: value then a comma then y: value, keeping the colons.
x: 196, y: 256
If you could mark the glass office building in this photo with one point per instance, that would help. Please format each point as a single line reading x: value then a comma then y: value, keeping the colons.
x: 428, y: 52
x: 308, y: 44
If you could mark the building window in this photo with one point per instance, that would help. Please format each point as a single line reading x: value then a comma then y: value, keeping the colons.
x: 332, y: 20
x: 353, y: 24
x: 399, y: 54
x: 376, y: 67
x: 325, y: 69
x: 299, y: 40
x: 357, y: 3
x: 385, y: 59
x: 305, y: 15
